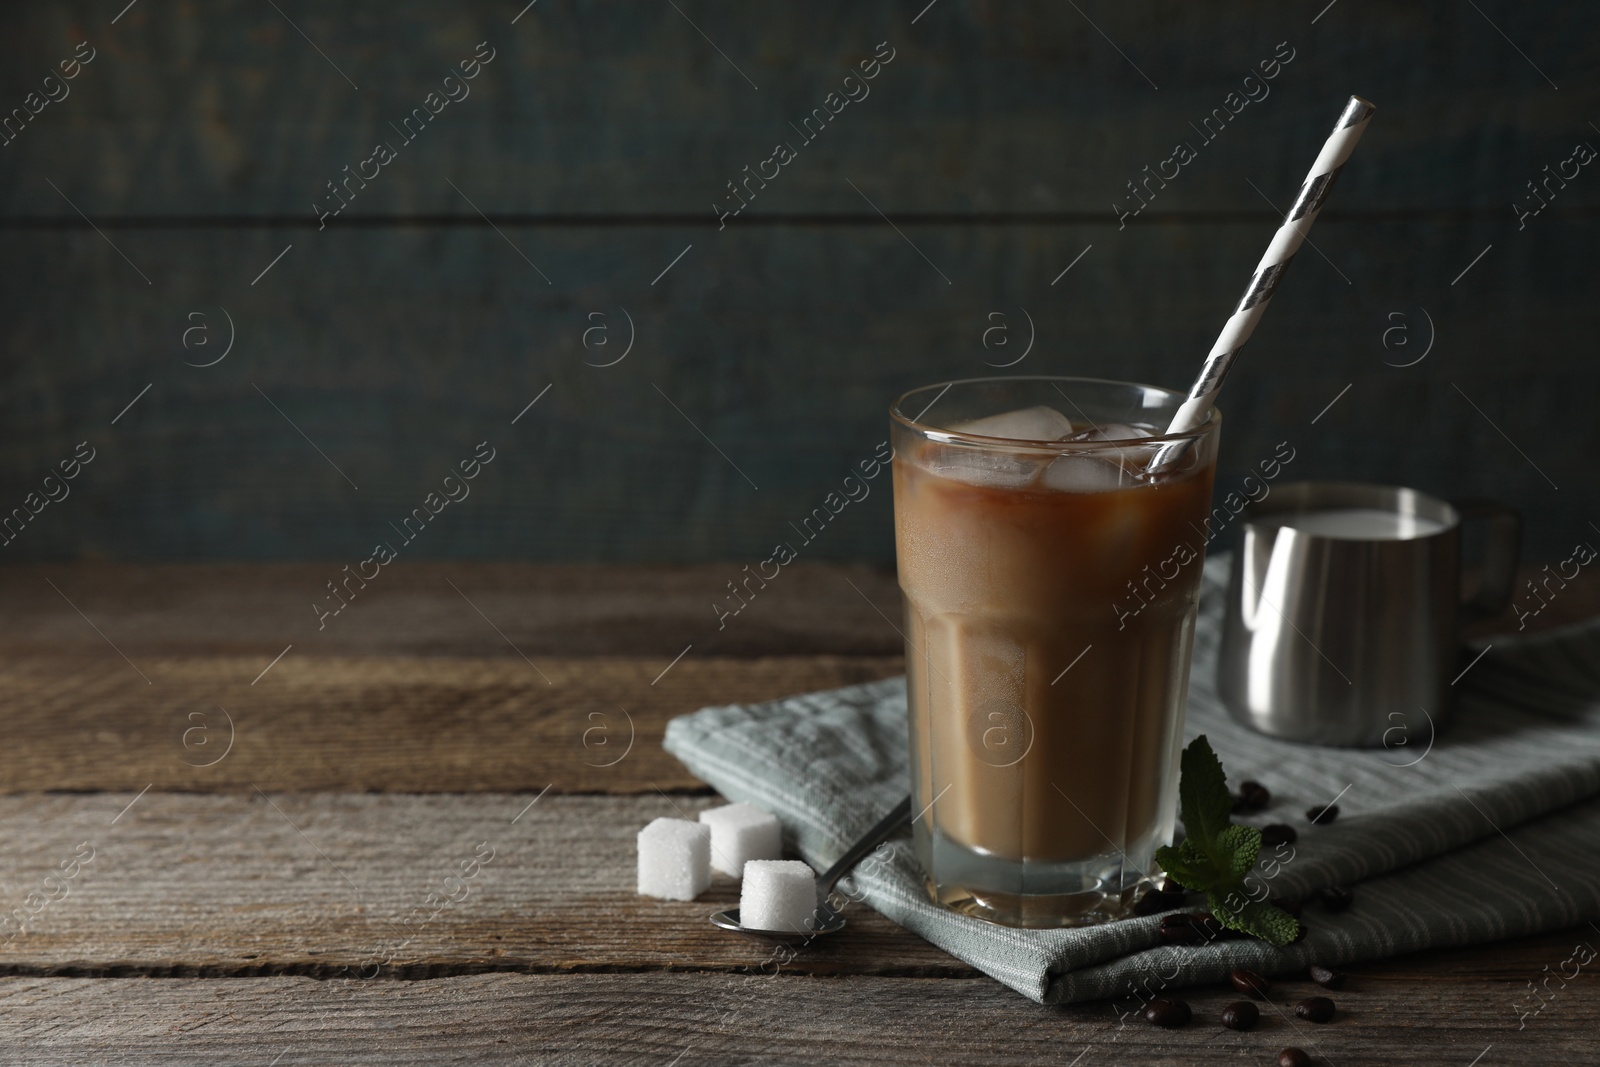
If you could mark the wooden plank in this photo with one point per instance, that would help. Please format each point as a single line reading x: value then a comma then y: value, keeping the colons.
x: 273, y: 883
x: 432, y: 609
x: 666, y: 1018
x: 768, y: 355
x: 328, y: 884
x: 392, y: 724
x: 655, y: 110
x: 425, y: 608
x: 453, y: 707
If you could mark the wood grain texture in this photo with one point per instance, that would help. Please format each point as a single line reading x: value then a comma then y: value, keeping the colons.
x: 998, y: 138
x: 759, y: 377
x: 414, y: 690
x: 389, y: 724
x: 264, y: 878
x: 1015, y: 107
x: 703, y: 1019
x: 325, y: 884
x: 421, y: 608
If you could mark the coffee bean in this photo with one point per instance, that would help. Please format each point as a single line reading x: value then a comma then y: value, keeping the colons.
x: 1150, y: 904
x: 1335, y: 898
x: 1166, y: 1011
x: 1293, y: 1057
x: 1315, y: 1009
x: 1327, y: 977
x: 1277, y: 834
x: 1254, y: 796
x: 1156, y: 900
x: 1323, y: 814
x: 1209, y: 925
x: 1212, y: 927
x: 1190, y: 928
x: 1240, y: 1015
x: 1249, y: 983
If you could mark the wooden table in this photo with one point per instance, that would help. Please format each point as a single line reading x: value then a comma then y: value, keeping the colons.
x: 415, y: 842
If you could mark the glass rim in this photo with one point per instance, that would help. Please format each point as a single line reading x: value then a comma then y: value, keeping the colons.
x: 958, y: 437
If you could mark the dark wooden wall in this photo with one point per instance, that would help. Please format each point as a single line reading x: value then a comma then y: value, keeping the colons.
x: 597, y: 141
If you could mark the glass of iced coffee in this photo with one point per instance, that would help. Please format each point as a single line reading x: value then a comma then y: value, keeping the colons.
x: 1050, y: 537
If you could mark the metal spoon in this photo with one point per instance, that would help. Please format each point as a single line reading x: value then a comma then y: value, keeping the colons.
x: 826, y: 920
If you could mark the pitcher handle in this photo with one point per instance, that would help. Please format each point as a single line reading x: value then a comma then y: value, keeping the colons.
x: 1502, y: 552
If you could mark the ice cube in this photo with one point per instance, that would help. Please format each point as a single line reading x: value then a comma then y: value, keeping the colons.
x: 1132, y: 458
x: 674, y: 859
x: 740, y: 833
x: 1110, y: 431
x: 1002, y: 470
x: 777, y: 895
x: 1089, y: 474
x: 1039, y: 423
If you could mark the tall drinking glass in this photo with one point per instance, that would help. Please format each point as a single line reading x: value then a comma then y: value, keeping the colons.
x: 1050, y: 584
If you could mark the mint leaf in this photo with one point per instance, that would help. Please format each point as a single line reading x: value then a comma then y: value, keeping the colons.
x: 1199, y: 860
x: 1215, y: 855
x: 1203, y: 797
x: 1258, y: 919
x: 1241, y: 845
x: 1174, y: 863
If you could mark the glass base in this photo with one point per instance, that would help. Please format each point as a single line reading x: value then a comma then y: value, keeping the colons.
x: 1029, y: 893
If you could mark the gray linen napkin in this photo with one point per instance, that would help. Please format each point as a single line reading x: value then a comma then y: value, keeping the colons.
x: 1493, y: 832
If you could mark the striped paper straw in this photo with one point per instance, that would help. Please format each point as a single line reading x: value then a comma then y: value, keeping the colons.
x: 1269, y: 272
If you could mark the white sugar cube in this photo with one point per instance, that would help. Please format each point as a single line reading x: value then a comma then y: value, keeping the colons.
x: 740, y: 833
x: 778, y: 895
x: 674, y: 859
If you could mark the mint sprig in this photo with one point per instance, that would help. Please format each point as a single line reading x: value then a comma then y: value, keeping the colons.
x: 1216, y: 854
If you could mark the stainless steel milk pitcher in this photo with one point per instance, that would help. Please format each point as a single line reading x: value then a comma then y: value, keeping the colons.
x: 1329, y: 637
